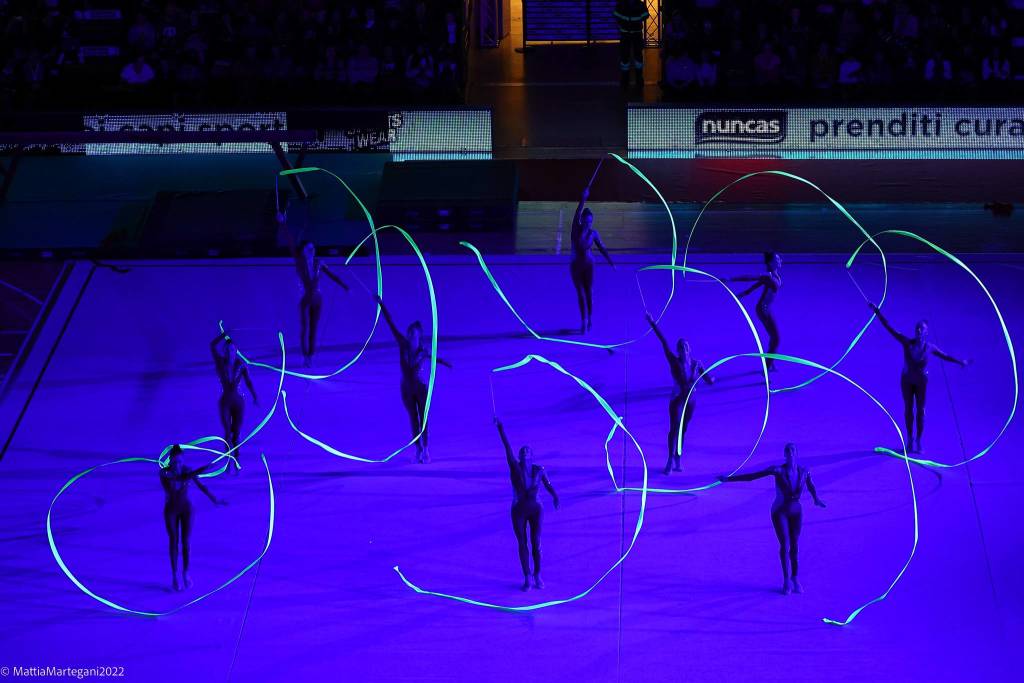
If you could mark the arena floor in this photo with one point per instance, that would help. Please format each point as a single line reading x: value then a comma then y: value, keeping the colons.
x: 124, y: 370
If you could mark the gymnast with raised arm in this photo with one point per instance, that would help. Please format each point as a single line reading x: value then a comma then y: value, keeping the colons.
x: 914, y: 377
x: 414, y: 358
x: 231, y: 370
x: 771, y: 282
x: 685, y: 371
x: 787, y: 514
x: 309, y: 269
x: 584, y: 238
x: 175, y: 478
x: 527, y: 477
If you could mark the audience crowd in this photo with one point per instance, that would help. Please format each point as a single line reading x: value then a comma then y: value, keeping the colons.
x: 846, y: 50
x: 225, y: 53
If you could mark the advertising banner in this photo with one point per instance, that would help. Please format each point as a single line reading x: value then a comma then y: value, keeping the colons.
x: 827, y: 133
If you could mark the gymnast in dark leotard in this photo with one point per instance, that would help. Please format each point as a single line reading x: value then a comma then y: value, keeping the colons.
x: 771, y: 282
x: 526, y: 477
x: 231, y: 370
x: 685, y: 371
x: 414, y: 359
x: 309, y: 269
x: 584, y: 238
x: 787, y: 514
x: 175, y: 478
x: 914, y: 378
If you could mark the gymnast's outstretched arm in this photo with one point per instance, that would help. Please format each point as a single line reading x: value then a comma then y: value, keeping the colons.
x: 901, y: 338
x: 399, y: 337
x: 767, y: 472
x: 937, y: 352
x: 664, y: 342
x: 504, y: 442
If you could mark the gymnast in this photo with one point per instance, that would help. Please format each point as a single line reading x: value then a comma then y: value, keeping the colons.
x: 787, y: 515
x: 175, y: 478
x: 526, y: 509
x: 685, y: 371
x: 309, y: 269
x: 414, y: 358
x: 914, y: 378
x: 771, y: 283
x: 231, y: 370
x: 584, y: 238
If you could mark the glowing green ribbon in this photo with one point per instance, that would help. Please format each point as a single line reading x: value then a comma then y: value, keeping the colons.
x: 885, y: 273
x: 501, y: 294
x: 162, y: 461
x: 693, y: 386
x: 433, y: 362
x: 194, y: 445
x: 1003, y: 329
x: 913, y: 491
x: 380, y: 284
x: 617, y: 424
x: 846, y: 214
x: 121, y: 608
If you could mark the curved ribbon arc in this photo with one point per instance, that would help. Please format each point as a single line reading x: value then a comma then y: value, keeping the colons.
x: 194, y: 445
x: 904, y: 457
x: 617, y: 424
x: 846, y: 214
x: 145, y: 613
x: 679, y: 439
x: 501, y: 293
x: 433, y: 358
x: 1003, y: 329
x: 380, y: 285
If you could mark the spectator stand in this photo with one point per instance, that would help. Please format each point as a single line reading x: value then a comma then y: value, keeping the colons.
x: 837, y: 50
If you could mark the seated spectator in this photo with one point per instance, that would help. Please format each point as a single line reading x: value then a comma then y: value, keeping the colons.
x: 419, y: 68
x: 849, y: 70
x: 137, y: 72
x: 363, y: 67
x: 142, y: 35
x: 736, y: 65
x: 766, y: 66
x: 675, y: 32
x: 938, y: 68
x: 448, y: 70
x: 389, y: 75
x: 279, y: 66
x: 967, y: 67
x: 879, y: 73
x: 680, y: 71
x: 707, y: 71
x: 904, y: 23
x: 823, y: 71
x: 451, y: 30
x: 995, y: 67
x: 329, y: 68
x: 794, y: 69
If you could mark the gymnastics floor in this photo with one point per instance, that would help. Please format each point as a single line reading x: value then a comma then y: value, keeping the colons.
x: 124, y: 370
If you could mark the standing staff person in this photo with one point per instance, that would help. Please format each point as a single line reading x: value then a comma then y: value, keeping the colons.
x: 631, y: 15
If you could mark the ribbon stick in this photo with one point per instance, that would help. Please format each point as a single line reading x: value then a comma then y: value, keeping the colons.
x: 617, y: 424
